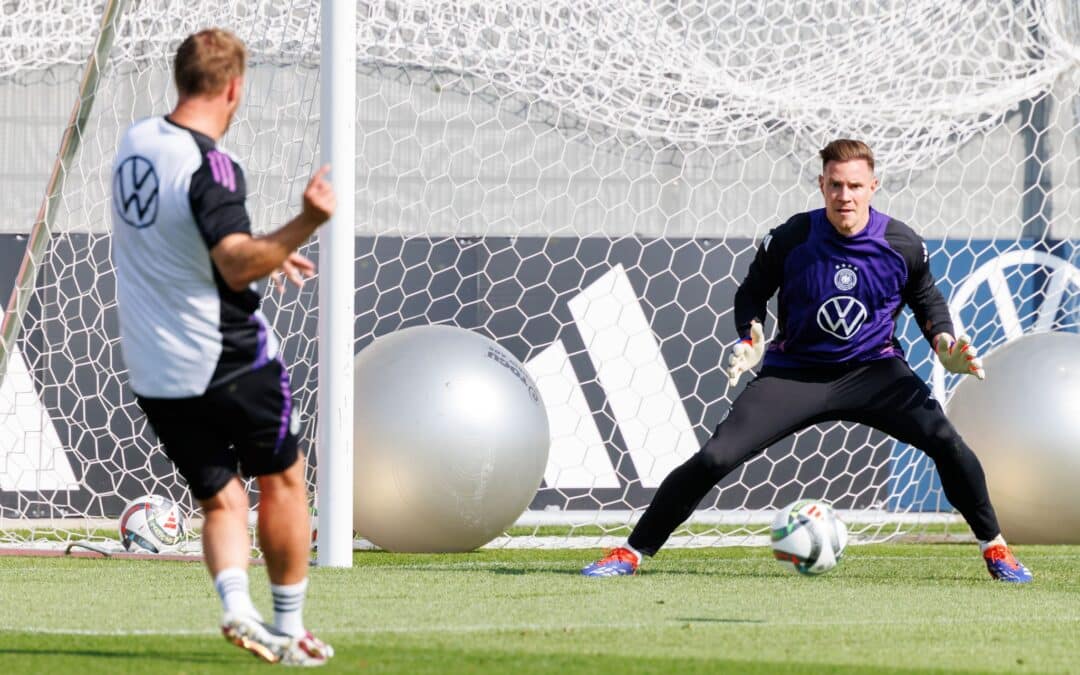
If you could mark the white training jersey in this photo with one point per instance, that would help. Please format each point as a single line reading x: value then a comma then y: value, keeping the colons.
x: 174, y: 197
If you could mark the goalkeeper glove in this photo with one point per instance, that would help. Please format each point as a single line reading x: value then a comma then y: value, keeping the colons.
x: 746, y: 353
x: 958, y: 356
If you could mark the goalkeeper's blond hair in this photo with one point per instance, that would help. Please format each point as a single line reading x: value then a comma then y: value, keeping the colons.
x: 844, y: 150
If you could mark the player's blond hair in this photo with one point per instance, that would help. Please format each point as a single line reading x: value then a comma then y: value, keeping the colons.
x: 206, y: 61
x: 844, y: 150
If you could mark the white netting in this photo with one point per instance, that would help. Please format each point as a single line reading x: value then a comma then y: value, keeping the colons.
x: 689, y: 72
x: 583, y: 181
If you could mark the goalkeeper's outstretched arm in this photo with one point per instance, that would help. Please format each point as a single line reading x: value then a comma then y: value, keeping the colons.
x: 761, y: 281
x: 767, y: 272
x: 921, y: 294
x: 751, y: 304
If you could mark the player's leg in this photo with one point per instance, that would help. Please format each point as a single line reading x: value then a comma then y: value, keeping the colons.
x: 284, y: 526
x: 227, y: 545
x: 198, y: 446
x: 890, y: 397
x: 227, y: 548
x: 285, y: 539
x: 268, y: 447
x: 773, y: 405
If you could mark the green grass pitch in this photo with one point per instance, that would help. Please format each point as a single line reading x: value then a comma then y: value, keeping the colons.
x: 887, y: 608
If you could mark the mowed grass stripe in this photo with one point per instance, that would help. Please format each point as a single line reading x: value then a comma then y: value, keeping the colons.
x: 194, y: 655
x: 898, y: 608
x: 586, y: 556
x: 592, y: 626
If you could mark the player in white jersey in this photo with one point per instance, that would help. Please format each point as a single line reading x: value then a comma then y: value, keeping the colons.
x: 202, y: 359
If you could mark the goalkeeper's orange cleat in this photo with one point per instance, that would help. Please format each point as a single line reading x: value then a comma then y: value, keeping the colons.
x: 618, y: 562
x: 1003, y: 566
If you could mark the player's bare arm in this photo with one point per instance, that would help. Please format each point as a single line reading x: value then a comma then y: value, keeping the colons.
x: 242, y: 258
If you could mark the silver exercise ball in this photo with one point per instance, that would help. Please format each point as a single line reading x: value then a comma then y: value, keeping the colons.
x: 1023, y: 423
x: 451, y: 440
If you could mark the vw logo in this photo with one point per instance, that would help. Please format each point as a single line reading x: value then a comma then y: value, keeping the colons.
x: 1063, y: 281
x: 841, y: 316
x: 135, y: 192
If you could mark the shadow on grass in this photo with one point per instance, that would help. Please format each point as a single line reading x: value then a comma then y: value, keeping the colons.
x: 709, y: 619
x: 171, y: 657
x: 720, y: 571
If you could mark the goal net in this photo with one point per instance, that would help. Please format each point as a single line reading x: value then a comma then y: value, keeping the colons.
x: 585, y: 182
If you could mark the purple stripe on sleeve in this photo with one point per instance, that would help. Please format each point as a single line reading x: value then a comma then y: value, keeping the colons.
x: 230, y: 172
x: 222, y: 172
x: 261, y: 357
x: 286, y: 408
x: 220, y: 161
x: 222, y: 168
x: 212, y: 157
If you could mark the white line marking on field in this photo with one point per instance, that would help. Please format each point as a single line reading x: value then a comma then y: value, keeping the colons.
x: 593, y: 625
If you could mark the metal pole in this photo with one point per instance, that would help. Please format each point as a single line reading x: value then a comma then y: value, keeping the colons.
x: 337, y: 285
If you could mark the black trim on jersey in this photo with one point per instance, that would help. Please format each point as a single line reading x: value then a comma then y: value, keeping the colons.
x: 217, y: 196
x: 767, y: 271
x: 239, y: 331
x: 920, y: 293
x: 217, y: 204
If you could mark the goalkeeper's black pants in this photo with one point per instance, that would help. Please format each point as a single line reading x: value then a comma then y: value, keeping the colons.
x: 886, y: 395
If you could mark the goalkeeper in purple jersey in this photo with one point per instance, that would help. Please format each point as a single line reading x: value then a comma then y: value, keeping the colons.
x: 842, y: 274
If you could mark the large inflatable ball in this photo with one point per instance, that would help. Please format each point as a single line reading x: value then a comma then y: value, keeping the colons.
x: 1023, y: 423
x: 451, y: 440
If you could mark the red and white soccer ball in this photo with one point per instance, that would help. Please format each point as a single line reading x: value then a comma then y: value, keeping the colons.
x: 152, y: 524
x: 807, y: 537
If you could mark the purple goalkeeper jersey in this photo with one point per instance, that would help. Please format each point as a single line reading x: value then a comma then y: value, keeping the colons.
x: 838, y: 297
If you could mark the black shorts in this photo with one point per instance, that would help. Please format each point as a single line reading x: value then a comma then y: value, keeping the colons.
x: 246, y: 425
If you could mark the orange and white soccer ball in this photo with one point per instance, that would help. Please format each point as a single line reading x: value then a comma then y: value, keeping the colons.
x: 152, y: 524
x: 807, y: 537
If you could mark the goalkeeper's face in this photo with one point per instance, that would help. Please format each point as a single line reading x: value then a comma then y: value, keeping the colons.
x: 848, y: 187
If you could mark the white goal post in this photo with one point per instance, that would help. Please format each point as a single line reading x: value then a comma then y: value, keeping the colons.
x: 582, y: 180
x: 336, y: 303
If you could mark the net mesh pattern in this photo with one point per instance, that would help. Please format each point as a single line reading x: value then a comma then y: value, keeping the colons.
x: 583, y: 181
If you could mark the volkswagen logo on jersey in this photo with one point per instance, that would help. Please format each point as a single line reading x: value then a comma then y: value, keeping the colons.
x: 135, y: 192
x: 845, y: 278
x: 841, y: 316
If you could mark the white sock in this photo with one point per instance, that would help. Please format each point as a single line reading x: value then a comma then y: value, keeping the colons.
x: 232, y: 588
x: 636, y: 552
x: 983, y: 545
x: 289, y: 607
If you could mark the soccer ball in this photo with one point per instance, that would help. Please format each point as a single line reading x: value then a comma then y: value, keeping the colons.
x: 807, y: 537
x: 151, y: 524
